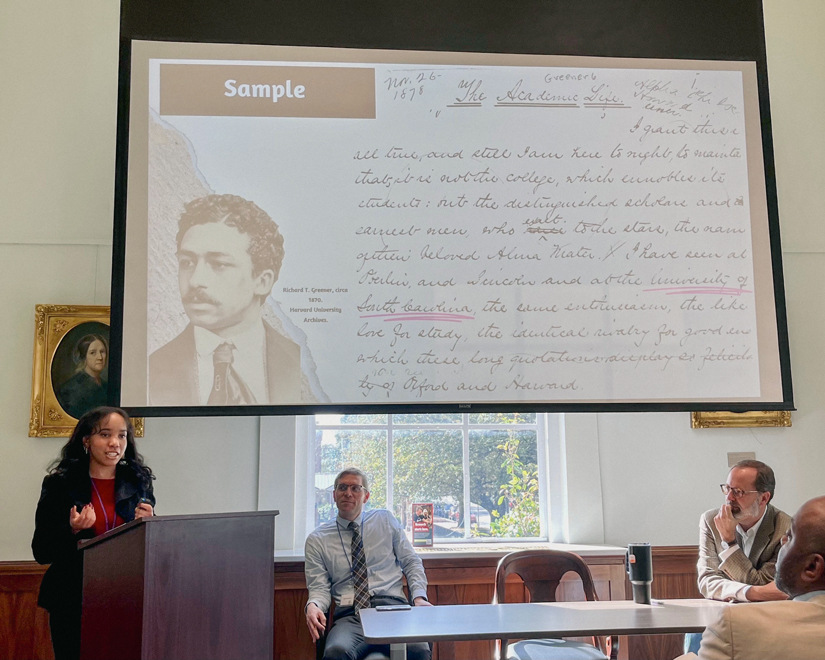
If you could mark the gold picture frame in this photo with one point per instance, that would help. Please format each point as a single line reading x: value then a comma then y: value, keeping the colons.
x: 57, y: 331
x: 750, y: 419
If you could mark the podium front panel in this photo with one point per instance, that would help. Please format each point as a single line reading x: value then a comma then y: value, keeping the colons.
x: 183, y: 587
x: 210, y: 591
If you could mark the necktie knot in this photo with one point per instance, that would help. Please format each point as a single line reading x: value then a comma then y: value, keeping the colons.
x: 223, y: 353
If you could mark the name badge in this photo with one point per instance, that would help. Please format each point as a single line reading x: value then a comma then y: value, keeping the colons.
x: 348, y: 600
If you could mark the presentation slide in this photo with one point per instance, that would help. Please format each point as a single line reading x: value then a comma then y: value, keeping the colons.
x: 317, y: 226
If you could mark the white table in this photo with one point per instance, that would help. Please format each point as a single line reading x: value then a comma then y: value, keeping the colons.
x: 534, y: 620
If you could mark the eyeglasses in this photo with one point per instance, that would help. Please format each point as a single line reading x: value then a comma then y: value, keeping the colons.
x: 737, y: 492
x: 355, y: 488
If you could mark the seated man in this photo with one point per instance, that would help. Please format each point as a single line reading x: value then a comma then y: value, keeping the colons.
x: 780, y: 630
x: 358, y: 561
x: 739, y: 542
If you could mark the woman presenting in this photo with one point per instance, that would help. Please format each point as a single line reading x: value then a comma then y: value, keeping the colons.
x: 98, y: 482
x: 87, y: 388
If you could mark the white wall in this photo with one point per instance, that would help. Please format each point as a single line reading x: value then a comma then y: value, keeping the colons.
x: 658, y: 474
x: 631, y: 477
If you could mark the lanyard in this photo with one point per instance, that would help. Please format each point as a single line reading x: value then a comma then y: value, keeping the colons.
x: 103, y: 506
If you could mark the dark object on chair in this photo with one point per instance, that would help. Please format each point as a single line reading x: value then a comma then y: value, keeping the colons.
x: 638, y: 562
x: 320, y: 643
x: 542, y: 571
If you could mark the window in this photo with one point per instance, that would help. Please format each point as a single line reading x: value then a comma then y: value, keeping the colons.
x: 480, y: 470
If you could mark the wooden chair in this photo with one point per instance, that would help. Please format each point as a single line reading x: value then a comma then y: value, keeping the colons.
x: 542, y: 571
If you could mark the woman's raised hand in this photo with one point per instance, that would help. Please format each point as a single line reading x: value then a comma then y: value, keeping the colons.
x: 83, y: 520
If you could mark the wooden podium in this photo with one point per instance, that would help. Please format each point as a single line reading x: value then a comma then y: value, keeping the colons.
x: 181, y: 587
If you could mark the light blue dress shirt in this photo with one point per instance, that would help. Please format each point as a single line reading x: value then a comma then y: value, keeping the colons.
x: 388, y: 552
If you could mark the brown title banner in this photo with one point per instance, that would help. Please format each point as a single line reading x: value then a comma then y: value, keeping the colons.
x: 215, y: 90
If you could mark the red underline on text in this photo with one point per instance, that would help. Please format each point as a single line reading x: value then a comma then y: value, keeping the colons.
x: 420, y: 316
x: 713, y: 290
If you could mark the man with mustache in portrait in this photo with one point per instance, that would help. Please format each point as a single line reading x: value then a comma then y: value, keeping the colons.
x: 229, y: 255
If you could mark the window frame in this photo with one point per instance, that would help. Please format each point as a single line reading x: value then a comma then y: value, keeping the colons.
x: 544, y: 439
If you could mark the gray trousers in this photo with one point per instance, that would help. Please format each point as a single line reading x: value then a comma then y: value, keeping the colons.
x: 345, y: 640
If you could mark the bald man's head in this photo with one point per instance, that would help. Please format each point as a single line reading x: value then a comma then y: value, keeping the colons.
x: 800, y: 567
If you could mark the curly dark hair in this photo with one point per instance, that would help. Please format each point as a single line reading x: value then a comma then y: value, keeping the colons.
x: 266, y: 244
x: 73, y: 455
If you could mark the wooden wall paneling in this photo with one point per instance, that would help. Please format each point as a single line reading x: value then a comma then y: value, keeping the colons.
x: 24, y: 627
x: 292, y: 640
x: 616, y: 583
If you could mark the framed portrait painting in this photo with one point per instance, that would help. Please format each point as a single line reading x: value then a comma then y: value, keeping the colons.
x: 737, y: 420
x: 70, y: 373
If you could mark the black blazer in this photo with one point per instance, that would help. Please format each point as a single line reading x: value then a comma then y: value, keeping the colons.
x: 54, y: 543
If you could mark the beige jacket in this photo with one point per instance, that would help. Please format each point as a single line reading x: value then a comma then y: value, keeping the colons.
x: 721, y: 580
x: 776, y: 630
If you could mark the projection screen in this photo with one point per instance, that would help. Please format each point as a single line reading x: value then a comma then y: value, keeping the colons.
x: 459, y: 231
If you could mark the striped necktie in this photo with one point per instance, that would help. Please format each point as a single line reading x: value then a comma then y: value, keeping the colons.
x: 359, y: 569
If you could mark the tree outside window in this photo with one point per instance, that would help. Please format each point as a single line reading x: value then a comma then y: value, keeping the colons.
x: 480, y: 471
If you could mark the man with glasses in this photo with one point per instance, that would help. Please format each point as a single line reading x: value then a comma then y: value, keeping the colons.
x: 791, y: 629
x: 739, y: 542
x: 358, y: 560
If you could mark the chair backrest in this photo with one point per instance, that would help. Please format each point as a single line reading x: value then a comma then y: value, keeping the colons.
x: 542, y: 571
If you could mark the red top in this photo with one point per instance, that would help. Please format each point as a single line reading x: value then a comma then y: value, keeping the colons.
x: 103, y: 501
